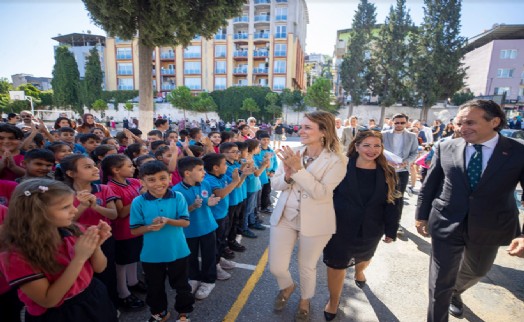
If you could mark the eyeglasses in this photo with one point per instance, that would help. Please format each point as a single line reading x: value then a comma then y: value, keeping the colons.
x: 236, y: 152
x: 400, y: 123
x: 25, y: 116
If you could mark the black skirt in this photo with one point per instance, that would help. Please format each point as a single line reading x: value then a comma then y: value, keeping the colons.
x: 127, y: 251
x: 92, y: 305
x: 341, y: 253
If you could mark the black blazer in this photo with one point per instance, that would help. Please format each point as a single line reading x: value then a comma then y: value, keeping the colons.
x: 445, y: 199
x: 376, y: 217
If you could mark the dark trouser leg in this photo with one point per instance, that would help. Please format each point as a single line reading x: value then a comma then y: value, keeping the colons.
x: 403, y: 178
x: 233, y: 217
x: 208, y: 254
x: 221, y: 236
x: 443, y: 269
x: 476, y: 263
x: 10, y: 305
x: 239, y: 216
x: 108, y: 276
x: 177, y: 273
x: 156, y: 294
x: 266, y: 191
x: 193, y: 264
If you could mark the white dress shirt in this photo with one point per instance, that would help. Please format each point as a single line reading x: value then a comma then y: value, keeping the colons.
x: 487, y: 151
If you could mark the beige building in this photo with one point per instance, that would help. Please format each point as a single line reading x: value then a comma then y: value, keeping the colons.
x: 264, y: 46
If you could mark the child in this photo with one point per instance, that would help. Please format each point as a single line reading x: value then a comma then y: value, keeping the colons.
x: 67, y: 135
x: 265, y: 177
x: 95, y: 203
x: 160, y: 215
x: 225, y: 136
x: 138, y: 162
x: 135, y: 150
x: 10, y: 157
x: 183, y: 134
x: 154, y: 135
x: 215, y: 166
x: 215, y: 139
x: 101, y: 151
x: 113, y: 142
x: 50, y: 259
x: 155, y: 145
x: 98, y: 132
x: 200, y: 234
x: 89, y: 142
x: 60, y: 150
x: 195, y: 134
x: 118, y: 173
x: 38, y: 163
x: 244, y: 132
x: 169, y: 156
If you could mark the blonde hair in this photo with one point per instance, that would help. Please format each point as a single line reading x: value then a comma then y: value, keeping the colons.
x: 326, y: 124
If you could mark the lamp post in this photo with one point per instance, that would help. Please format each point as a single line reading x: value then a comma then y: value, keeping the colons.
x: 30, y: 99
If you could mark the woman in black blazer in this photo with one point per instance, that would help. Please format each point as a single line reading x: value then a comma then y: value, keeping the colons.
x: 365, y: 211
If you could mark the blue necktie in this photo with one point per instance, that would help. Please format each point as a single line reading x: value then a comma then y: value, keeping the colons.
x: 475, y: 166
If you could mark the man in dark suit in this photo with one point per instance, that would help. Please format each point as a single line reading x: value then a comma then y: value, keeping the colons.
x: 467, y: 205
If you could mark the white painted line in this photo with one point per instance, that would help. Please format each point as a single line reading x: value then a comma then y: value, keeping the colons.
x: 245, y: 266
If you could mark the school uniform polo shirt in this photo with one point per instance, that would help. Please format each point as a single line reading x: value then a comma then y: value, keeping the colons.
x: 104, y: 195
x: 216, y: 183
x: 127, y: 192
x: 235, y: 197
x: 169, y: 243
x: 201, y: 219
x: 273, y: 164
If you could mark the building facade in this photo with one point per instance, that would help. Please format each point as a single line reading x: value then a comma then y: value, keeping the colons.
x: 42, y: 83
x: 495, y: 61
x: 264, y: 46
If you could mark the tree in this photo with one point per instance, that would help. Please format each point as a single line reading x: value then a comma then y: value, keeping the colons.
x: 460, y: 98
x: 31, y: 90
x: 250, y: 105
x: 181, y: 98
x: 129, y: 107
x: 66, y: 80
x: 229, y: 102
x: 5, y: 87
x: 318, y: 95
x: 100, y: 106
x: 272, y: 106
x: 355, y: 65
x: 92, y: 83
x: 158, y: 23
x: 438, y: 65
x: 390, y: 77
x: 204, y: 103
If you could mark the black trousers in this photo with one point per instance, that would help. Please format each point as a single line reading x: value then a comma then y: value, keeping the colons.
x: 231, y: 229
x: 220, y: 234
x: 10, y: 306
x: 108, y: 276
x: 177, y: 274
x: 403, y: 178
x: 206, y: 271
x: 455, y: 265
x: 265, y: 200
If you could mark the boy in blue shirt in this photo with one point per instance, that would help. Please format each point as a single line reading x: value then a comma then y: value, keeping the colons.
x: 200, y: 234
x: 160, y: 215
x: 264, y: 199
x: 215, y: 166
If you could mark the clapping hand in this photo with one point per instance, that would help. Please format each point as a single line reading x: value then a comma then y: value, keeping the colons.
x: 198, y: 203
x: 235, y: 176
x: 212, y: 201
x: 290, y: 158
x: 158, y: 223
x: 104, y: 231
x: 87, y: 243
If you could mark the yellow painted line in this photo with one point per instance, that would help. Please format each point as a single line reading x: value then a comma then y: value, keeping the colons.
x: 248, y: 288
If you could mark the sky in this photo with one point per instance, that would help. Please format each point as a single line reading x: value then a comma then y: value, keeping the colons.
x: 27, y: 26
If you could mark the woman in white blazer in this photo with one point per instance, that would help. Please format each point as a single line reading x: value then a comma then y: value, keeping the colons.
x: 307, y: 177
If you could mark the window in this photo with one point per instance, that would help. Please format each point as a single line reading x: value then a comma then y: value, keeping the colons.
x: 125, y: 84
x: 193, y: 52
x: 279, y: 83
x: 220, y: 83
x: 508, y: 54
x: 280, y: 67
x: 123, y: 53
x: 280, y: 50
x: 192, y: 67
x: 281, y: 31
x: 124, y: 69
x: 220, y: 51
x: 220, y: 67
x: 281, y: 14
x: 193, y: 83
x: 504, y: 73
x: 502, y: 90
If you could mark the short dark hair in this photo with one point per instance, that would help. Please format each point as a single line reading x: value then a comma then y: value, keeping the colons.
x: 159, y: 122
x: 155, y: 144
x: 136, y: 131
x: 8, y: 128
x: 225, y: 136
x: 161, y: 150
x: 226, y: 146
x: 193, y: 132
x: 251, y: 144
x: 151, y: 168
x: 241, y: 127
x: 211, y: 160
x: 196, y: 149
x: 54, y: 146
x: 11, y: 115
x: 491, y: 110
x: 261, y: 134
x: 155, y: 132
x: 85, y: 137
x: 101, y: 151
x: 241, y: 145
x: 188, y: 164
x: 183, y: 133
x: 213, y: 132
x: 43, y: 154
x: 400, y: 115
x: 133, y: 149
x: 66, y: 129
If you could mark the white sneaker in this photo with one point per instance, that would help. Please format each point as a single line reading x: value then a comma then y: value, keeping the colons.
x: 222, y: 275
x: 226, y: 264
x: 204, y: 290
x: 194, y: 285
x: 400, y: 231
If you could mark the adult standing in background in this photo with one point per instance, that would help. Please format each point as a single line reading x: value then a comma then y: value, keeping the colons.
x: 278, y: 129
x: 350, y: 133
x: 467, y: 205
x: 405, y: 145
x: 253, y: 128
x: 88, y: 123
x: 304, y: 210
x: 338, y: 127
x: 365, y: 211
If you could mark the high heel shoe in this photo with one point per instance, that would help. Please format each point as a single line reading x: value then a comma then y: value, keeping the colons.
x: 360, y: 284
x: 330, y: 316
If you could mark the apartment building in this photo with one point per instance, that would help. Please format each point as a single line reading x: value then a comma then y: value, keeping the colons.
x: 264, y: 46
x: 495, y: 61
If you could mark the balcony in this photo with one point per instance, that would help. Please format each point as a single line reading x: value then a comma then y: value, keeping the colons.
x: 220, y: 87
x: 192, y: 55
x: 195, y: 87
x: 220, y: 37
x: 240, y: 36
x: 220, y: 71
x: 262, y: 18
x: 279, y: 71
x: 260, y: 53
x: 281, y: 1
x: 167, y: 55
x: 168, y: 71
x: 220, y: 54
x: 261, y: 35
x: 240, y: 54
x: 153, y: 71
x: 153, y: 56
x: 192, y: 71
x: 240, y: 71
x: 240, y: 84
x: 240, y: 20
x: 168, y: 87
x: 260, y: 70
x: 281, y: 18
x: 125, y: 87
x: 123, y: 56
x: 124, y: 72
x: 278, y: 87
x: 281, y: 53
x: 262, y: 2
x: 281, y: 35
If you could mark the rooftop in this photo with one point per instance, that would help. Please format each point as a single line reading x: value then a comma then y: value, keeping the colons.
x: 77, y: 39
x: 498, y: 32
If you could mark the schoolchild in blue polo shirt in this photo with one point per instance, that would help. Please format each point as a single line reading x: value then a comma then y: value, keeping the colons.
x: 265, y: 178
x: 200, y: 234
x: 160, y: 215
x: 215, y: 166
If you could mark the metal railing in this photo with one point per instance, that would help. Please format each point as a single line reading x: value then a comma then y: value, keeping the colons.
x: 167, y: 72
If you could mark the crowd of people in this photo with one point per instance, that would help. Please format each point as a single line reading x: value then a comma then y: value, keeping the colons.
x: 83, y: 212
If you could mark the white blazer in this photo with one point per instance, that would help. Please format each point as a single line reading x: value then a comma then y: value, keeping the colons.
x: 317, y: 182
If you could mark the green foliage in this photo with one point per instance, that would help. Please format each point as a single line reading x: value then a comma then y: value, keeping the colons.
x: 440, y: 49
x: 66, y: 80
x: 5, y: 86
x: 229, y: 102
x: 18, y: 106
x: 460, y: 98
x: 355, y: 66
x: 92, y: 83
x: 128, y: 106
x: 272, y: 104
x: 250, y: 105
x: 318, y: 95
x: 46, y: 98
x: 204, y: 103
x: 117, y: 97
x: 181, y: 98
x: 99, y: 105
